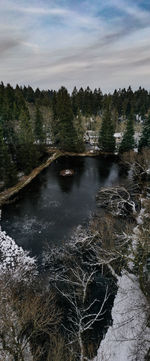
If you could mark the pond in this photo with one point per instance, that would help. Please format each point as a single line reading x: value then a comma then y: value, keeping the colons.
x: 52, y: 206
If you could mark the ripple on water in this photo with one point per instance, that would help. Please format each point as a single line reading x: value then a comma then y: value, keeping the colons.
x: 32, y: 225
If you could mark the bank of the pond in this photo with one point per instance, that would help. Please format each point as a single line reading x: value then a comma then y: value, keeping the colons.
x: 8, y: 193
x: 12, y: 191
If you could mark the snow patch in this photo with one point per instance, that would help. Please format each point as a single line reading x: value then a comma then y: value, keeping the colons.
x: 128, y: 338
x: 14, y: 261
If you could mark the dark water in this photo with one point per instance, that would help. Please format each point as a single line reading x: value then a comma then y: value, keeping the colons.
x: 49, y: 209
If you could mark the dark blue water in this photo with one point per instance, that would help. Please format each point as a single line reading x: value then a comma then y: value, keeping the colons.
x: 50, y: 208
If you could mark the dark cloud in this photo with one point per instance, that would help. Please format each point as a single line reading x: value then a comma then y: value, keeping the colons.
x: 7, y: 44
x: 141, y: 62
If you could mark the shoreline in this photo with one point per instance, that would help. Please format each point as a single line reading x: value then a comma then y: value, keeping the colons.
x: 9, y: 192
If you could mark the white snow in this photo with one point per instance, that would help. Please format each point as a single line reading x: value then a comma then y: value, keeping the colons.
x: 14, y: 260
x: 18, y: 266
x: 128, y: 338
x: 118, y: 135
x: 67, y: 172
x: 148, y: 171
x: 135, y: 236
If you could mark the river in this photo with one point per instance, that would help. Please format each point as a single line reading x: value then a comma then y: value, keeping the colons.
x: 52, y: 206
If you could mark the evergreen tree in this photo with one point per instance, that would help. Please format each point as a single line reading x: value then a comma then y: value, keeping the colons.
x: 8, y: 171
x: 106, y: 136
x: 97, y: 101
x: 88, y: 101
x: 19, y: 102
x: 128, y: 137
x: 1, y: 97
x: 63, y: 128
x: 75, y: 104
x: 27, y: 154
x: 29, y: 94
x: 145, y: 138
x: 2, y: 152
x: 81, y: 102
x: 38, y: 129
x: 80, y: 131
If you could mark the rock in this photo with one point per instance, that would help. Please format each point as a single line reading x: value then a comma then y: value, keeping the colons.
x: 67, y: 172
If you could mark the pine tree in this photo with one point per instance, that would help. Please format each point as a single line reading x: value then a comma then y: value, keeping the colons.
x: 106, y: 136
x: 2, y: 151
x: 74, y: 99
x: 128, y: 143
x: 27, y: 154
x: 80, y: 131
x: 64, y: 132
x: 38, y: 129
x: 8, y: 171
x: 145, y: 138
x: 97, y: 101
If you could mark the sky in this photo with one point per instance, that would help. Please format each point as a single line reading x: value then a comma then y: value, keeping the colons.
x: 96, y: 43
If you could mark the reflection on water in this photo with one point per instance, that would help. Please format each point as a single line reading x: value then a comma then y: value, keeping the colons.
x: 77, y: 164
x: 52, y: 206
x: 112, y: 176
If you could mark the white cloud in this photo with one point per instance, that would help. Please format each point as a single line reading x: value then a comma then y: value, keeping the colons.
x: 58, y: 11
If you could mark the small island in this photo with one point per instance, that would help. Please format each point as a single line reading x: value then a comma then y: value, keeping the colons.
x: 67, y: 172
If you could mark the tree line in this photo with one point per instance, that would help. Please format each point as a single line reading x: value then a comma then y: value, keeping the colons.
x: 87, y: 101
x: 30, y: 119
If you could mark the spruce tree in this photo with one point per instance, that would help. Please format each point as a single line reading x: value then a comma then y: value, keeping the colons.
x: 27, y: 154
x: 8, y: 171
x: 64, y: 132
x: 106, y: 136
x: 145, y: 138
x: 38, y: 129
x: 74, y: 99
x: 128, y: 143
x: 2, y: 152
x: 80, y: 131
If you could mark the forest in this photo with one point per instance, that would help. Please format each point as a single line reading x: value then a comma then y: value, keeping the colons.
x: 31, y: 120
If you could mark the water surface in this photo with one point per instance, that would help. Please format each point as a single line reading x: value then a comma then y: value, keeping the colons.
x: 49, y: 209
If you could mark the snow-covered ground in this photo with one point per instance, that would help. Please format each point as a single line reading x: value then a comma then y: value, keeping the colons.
x: 15, y: 266
x: 14, y: 260
x: 128, y: 339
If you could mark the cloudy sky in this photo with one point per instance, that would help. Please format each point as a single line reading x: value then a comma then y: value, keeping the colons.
x: 100, y: 43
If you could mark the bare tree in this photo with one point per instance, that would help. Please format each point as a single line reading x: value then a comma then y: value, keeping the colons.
x: 24, y: 316
x: 73, y: 274
x: 137, y: 163
x: 83, y: 313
